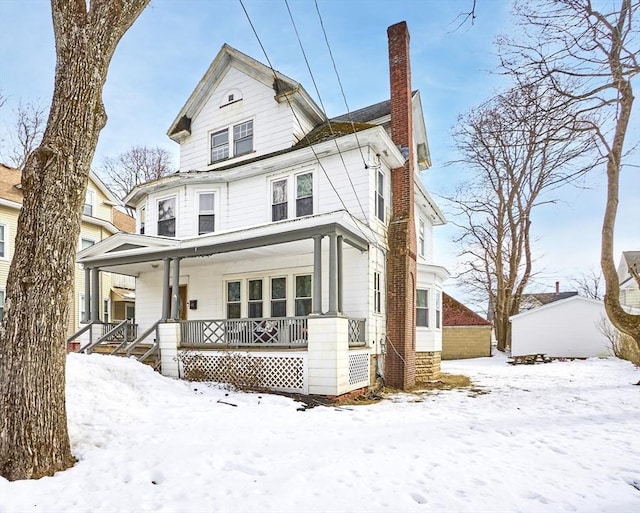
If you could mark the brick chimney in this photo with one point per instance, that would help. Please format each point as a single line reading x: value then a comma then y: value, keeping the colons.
x: 400, y: 364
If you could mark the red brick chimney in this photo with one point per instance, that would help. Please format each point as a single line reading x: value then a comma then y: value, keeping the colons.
x: 400, y: 365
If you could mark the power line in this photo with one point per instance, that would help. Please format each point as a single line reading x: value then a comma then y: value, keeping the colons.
x: 306, y: 136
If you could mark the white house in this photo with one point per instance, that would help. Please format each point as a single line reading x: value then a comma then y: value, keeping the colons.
x: 271, y: 242
x: 629, y: 289
x: 563, y: 328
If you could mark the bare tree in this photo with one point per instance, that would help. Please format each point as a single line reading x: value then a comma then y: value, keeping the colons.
x: 34, y: 440
x: 139, y: 164
x: 517, y: 146
x: 590, y: 57
x: 589, y: 284
x: 25, y: 133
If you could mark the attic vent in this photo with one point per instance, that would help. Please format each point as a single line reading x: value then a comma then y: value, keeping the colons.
x: 231, y: 96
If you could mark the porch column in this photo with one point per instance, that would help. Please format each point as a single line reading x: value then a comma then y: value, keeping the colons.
x: 166, y: 300
x: 316, y: 300
x: 95, y: 296
x: 175, y: 289
x: 340, y: 280
x: 333, y: 274
x: 87, y: 295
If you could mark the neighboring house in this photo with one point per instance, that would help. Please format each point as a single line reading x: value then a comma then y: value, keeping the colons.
x: 270, y: 247
x: 564, y: 328
x: 629, y: 289
x: 537, y: 299
x: 99, y: 220
x: 466, y: 334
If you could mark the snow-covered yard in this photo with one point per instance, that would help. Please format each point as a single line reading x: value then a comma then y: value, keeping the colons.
x: 555, y: 437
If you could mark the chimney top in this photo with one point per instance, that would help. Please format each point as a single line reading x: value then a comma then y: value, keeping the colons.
x: 557, y: 287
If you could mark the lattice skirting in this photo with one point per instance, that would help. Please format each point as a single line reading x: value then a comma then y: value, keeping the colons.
x: 358, y: 368
x: 283, y: 372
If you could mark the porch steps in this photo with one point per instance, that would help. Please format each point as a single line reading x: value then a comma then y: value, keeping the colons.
x: 138, y: 351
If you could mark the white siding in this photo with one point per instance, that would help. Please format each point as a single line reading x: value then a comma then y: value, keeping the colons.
x: 566, y: 328
x: 273, y: 122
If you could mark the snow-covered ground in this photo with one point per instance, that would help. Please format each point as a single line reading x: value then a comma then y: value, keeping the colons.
x: 556, y: 437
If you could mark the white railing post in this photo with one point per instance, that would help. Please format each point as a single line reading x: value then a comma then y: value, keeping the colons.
x: 169, y: 333
x: 328, y: 355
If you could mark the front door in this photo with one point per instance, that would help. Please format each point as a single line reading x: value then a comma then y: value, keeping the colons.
x: 182, y: 301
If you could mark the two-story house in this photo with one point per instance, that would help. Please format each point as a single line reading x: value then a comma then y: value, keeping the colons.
x: 99, y: 220
x: 271, y: 243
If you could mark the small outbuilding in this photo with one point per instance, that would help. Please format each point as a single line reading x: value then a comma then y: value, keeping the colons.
x: 564, y: 328
x: 465, y: 334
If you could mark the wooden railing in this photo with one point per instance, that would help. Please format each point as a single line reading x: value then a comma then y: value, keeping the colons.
x: 127, y: 332
x: 272, y: 332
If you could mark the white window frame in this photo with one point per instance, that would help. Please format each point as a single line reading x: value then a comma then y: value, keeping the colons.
x: 295, y: 293
x: 226, y: 298
x: 286, y: 199
x: 291, y: 192
x: 377, y: 292
x: 89, y: 201
x: 130, y: 308
x: 279, y: 300
x: 106, y: 310
x: 379, y: 197
x: 2, y: 298
x: 142, y: 216
x: 4, y: 241
x: 236, y: 134
x: 297, y: 198
x: 201, y: 212
x: 426, y: 307
x: 438, y: 295
x: 259, y: 301
x: 175, y: 215
x: 421, y: 233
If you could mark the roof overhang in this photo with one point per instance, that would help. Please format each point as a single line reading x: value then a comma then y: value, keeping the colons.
x: 124, y: 248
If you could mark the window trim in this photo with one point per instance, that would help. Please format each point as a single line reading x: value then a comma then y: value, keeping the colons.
x: 421, y: 236
x: 302, y: 298
x: 298, y: 198
x: 175, y: 215
x: 4, y: 242
x: 259, y: 301
x: 281, y: 300
x: 142, y: 216
x: 81, y: 311
x: 200, y: 212
x: 232, y: 141
x: 3, y: 297
x: 377, y: 292
x: 89, y: 200
x: 380, y: 209
x: 226, y: 297
x: 424, y: 308
x: 438, y: 309
x: 286, y: 199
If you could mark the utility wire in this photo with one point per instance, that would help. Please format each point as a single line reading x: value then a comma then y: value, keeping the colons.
x: 366, y: 236
x: 324, y: 111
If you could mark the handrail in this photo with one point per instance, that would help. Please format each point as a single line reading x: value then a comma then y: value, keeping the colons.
x: 143, y: 336
x: 153, y: 349
x: 125, y: 338
x: 104, y: 337
x: 80, y: 332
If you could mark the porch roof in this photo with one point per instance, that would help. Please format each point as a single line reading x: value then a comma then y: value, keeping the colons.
x: 123, y: 249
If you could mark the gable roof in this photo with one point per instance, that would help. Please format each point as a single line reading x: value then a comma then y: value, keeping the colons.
x: 10, y: 184
x: 544, y: 298
x: 559, y: 303
x: 124, y: 222
x: 454, y: 313
x: 630, y: 259
x: 380, y: 113
x: 285, y: 89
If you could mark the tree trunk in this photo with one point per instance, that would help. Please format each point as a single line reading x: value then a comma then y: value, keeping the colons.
x: 34, y: 440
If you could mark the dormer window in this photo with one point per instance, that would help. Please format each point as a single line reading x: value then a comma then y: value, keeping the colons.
x: 230, y: 98
x: 242, y: 142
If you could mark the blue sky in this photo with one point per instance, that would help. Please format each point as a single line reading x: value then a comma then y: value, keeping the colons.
x: 164, y: 55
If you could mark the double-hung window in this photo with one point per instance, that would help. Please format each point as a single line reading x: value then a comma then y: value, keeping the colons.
x: 303, y: 295
x: 421, y: 236
x: 3, y: 241
x: 422, y: 308
x: 279, y: 203
x: 377, y: 293
x: 304, y: 194
x: 105, y: 310
x: 143, y: 218
x: 380, y: 196
x: 243, y: 138
x: 167, y: 217
x: 278, y: 297
x: 255, y: 299
x: 220, y: 145
x: 232, y: 141
x: 438, y: 308
x: 88, y: 203
x: 206, y: 212
x: 233, y: 300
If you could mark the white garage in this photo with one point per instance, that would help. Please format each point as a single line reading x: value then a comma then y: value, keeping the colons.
x: 565, y: 328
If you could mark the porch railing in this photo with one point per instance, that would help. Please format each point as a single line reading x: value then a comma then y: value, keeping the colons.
x: 356, y: 332
x: 271, y: 332
x: 127, y: 332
